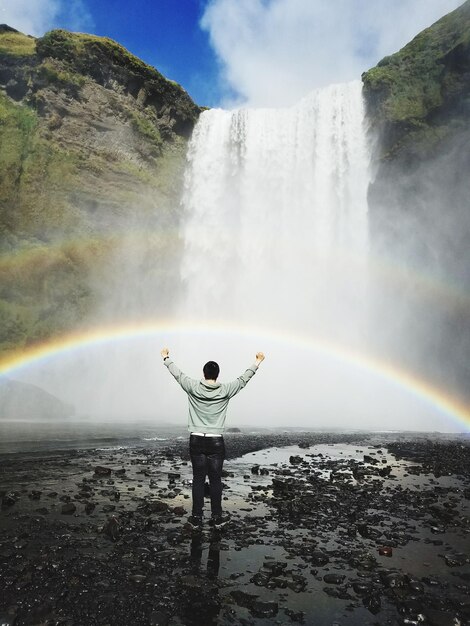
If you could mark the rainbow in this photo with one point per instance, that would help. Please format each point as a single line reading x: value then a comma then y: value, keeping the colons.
x: 21, y: 259
x: 39, y: 354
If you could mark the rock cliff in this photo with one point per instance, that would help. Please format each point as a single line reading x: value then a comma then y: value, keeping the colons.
x: 92, y: 143
x: 418, y: 103
x: 419, y: 97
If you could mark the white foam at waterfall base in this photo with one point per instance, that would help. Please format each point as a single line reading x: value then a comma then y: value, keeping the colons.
x: 275, y: 226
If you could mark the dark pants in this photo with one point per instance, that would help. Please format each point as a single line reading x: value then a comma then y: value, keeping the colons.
x: 207, y: 456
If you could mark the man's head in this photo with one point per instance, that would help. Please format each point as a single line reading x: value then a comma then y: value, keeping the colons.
x: 211, y: 370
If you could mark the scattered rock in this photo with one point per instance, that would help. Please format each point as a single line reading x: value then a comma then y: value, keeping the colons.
x: 264, y: 609
x: 334, y: 579
x: 102, y: 471
x: 319, y: 558
x: 179, y: 511
x: 159, y: 618
x: 243, y: 599
x: 325, y: 527
x: 112, y: 529
x: 68, y: 508
x: 455, y: 560
x: 9, y: 499
x: 372, y: 603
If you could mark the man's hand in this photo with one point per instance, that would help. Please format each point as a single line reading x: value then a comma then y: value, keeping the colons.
x: 165, y: 352
x: 259, y: 358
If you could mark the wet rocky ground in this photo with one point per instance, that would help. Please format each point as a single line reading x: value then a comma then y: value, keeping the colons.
x: 325, y: 529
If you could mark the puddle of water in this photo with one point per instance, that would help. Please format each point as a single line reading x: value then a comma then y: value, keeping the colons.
x: 237, y: 568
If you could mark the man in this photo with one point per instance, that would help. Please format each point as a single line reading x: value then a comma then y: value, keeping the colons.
x: 208, y: 401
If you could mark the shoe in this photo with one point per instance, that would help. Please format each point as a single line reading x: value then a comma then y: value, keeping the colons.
x: 219, y: 521
x: 195, y: 522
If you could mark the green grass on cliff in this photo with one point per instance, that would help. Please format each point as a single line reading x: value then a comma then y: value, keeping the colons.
x: 41, y: 290
x: 81, y: 48
x: 407, y: 86
x: 17, y: 44
x: 101, y: 57
x: 18, y: 126
x: 146, y: 129
x: 59, y: 76
x: 32, y: 171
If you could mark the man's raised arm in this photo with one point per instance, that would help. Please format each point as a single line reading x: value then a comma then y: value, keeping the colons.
x: 237, y: 385
x: 184, y: 380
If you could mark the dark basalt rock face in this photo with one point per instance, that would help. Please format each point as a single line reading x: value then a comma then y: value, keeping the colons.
x: 418, y: 105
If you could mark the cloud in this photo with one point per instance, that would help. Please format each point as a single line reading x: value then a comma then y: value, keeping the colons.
x: 35, y: 17
x: 273, y: 52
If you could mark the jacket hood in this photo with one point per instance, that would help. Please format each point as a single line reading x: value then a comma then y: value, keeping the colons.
x: 210, y: 385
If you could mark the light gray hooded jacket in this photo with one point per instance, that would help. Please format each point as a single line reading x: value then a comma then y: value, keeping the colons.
x: 208, y: 401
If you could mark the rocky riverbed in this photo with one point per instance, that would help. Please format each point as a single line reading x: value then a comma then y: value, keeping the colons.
x: 325, y: 529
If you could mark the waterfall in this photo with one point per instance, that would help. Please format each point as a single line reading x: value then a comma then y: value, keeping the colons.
x: 275, y: 222
x: 275, y: 258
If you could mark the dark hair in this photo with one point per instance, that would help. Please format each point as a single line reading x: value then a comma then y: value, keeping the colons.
x: 211, y: 370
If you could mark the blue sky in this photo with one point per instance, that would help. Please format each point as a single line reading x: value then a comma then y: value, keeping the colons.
x: 232, y: 52
x: 165, y: 34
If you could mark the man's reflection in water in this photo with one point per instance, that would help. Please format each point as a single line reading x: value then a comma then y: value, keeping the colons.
x: 201, y: 603
x: 213, y: 557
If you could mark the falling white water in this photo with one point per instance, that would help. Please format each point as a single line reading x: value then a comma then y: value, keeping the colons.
x: 275, y: 226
